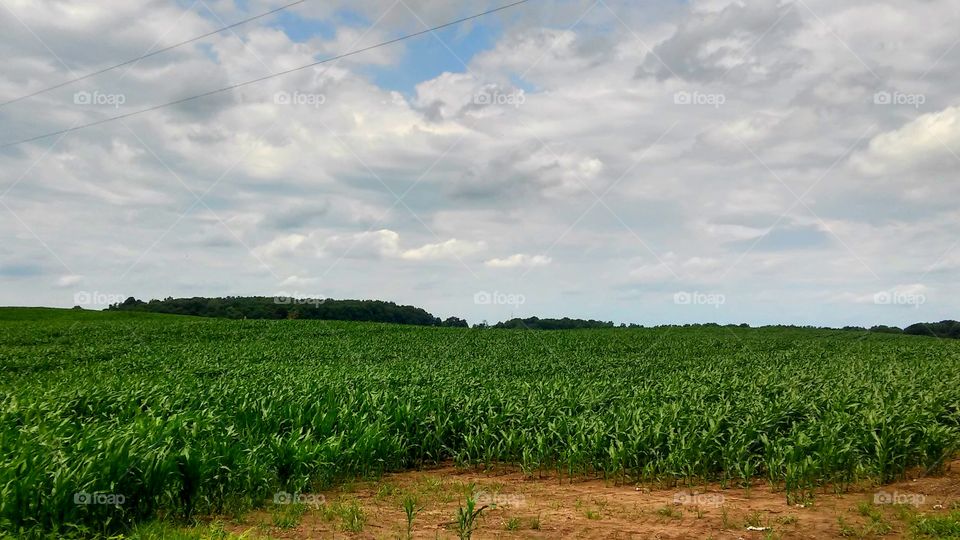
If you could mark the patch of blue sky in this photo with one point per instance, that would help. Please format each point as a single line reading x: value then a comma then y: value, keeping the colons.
x: 301, y: 29
x: 430, y: 55
x: 424, y: 57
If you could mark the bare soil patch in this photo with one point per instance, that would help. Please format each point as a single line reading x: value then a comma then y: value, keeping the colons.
x: 552, y: 507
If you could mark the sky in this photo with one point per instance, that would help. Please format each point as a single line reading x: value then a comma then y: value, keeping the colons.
x: 649, y: 162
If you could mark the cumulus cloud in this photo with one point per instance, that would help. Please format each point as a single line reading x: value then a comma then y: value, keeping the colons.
x: 927, y: 141
x: 450, y: 249
x: 371, y: 244
x: 282, y: 245
x: 298, y: 281
x: 710, y: 44
x: 379, y: 244
x: 519, y: 260
x: 396, y: 174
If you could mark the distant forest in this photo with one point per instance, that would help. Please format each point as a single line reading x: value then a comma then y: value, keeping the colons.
x: 270, y: 307
x: 943, y: 329
x: 536, y: 323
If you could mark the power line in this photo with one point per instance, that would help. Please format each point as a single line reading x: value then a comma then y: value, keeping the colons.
x: 260, y: 79
x: 152, y: 53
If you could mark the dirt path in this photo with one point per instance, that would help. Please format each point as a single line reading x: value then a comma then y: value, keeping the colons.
x: 520, y: 507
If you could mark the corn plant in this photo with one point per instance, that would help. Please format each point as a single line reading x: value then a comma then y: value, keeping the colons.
x: 186, y: 417
x: 411, y: 508
x: 467, y: 518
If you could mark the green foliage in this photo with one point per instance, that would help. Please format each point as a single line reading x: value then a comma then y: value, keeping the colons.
x: 934, y: 526
x: 349, y: 513
x: 942, y: 329
x: 846, y: 530
x: 170, y: 531
x: 455, y: 322
x: 288, y: 516
x: 187, y: 416
x: 882, y: 328
x: 282, y: 307
x: 467, y: 518
x: 789, y: 519
x: 411, y: 508
x: 668, y: 512
x: 536, y: 323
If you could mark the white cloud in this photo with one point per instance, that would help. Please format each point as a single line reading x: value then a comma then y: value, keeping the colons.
x: 371, y: 244
x: 733, y: 232
x: 379, y: 244
x: 450, y: 249
x: 928, y: 140
x: 298, y: 281
x: 282, y: 245
x: 292, y: 192
x: 519, y: 260
x: 68, y: 280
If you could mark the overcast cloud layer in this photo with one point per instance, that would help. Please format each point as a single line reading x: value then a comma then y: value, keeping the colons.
x: 646, y: 162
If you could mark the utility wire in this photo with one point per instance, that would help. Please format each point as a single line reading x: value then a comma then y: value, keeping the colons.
x: 260, y: 79
x: 147, y: 55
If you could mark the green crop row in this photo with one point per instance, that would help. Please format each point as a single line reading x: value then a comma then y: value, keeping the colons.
x: 183, y: 417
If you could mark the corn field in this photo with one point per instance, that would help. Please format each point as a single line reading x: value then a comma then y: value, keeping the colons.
x: 185, y: 417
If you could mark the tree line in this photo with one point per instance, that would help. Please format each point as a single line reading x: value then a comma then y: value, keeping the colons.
x: 566, y: 323
x: 948, y: 329
x: 279, y: 307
